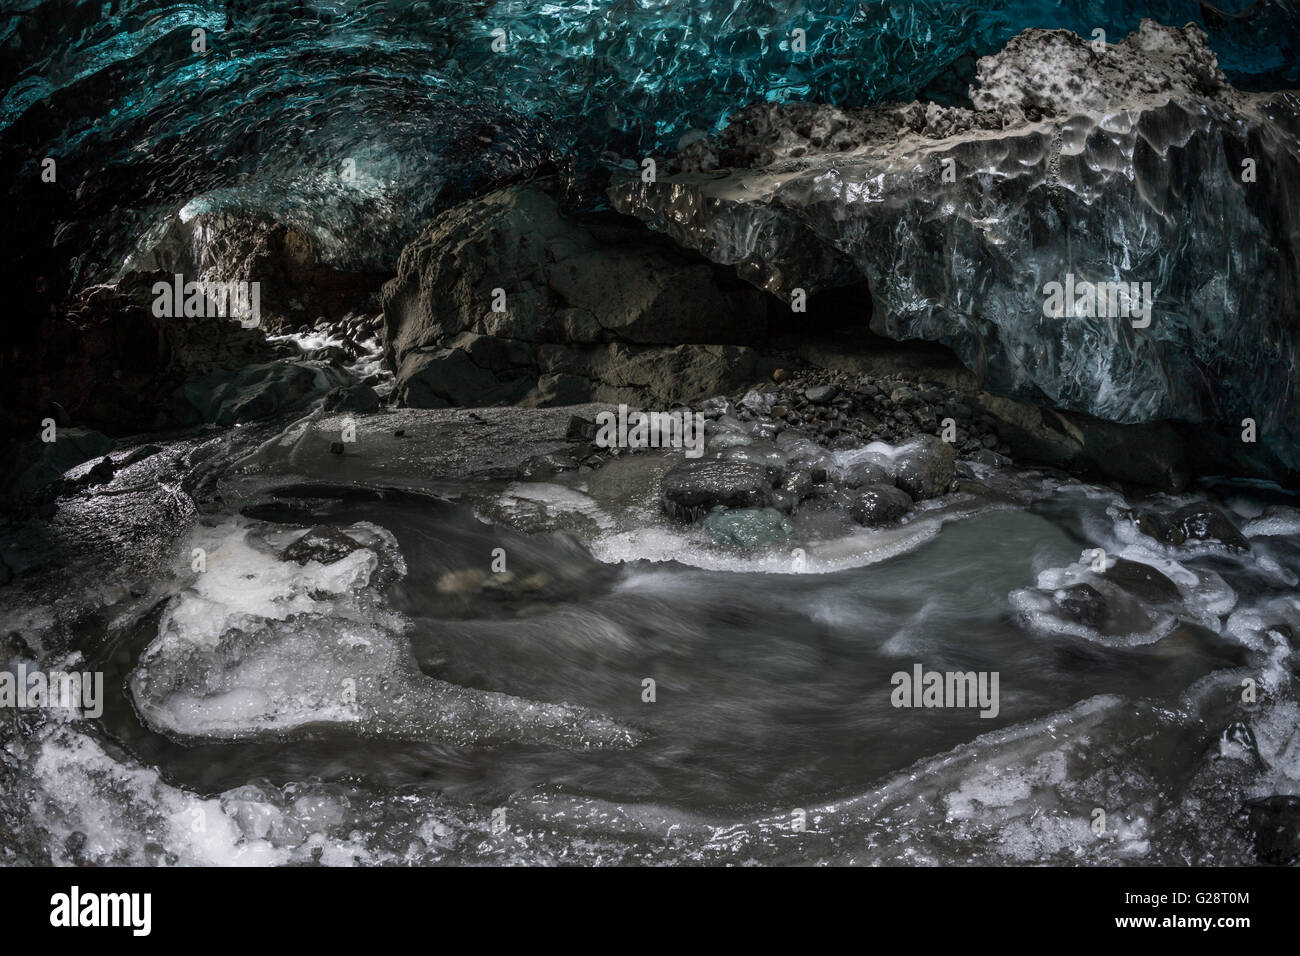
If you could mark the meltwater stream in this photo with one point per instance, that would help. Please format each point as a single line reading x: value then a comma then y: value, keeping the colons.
x: 350, y: 678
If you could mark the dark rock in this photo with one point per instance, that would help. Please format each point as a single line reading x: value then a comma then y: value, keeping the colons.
x: 596, y: 308
x: 1155, y: 525
x: 821, y: 394
x: 926, y: 468
x: 1083, y: 603
x: 797, y: 481
x: 352, y: 398
x: 693, y: 488
x: 322, y: 543
x: 1274, y: 823
x: 1194, y: 522
x: 252, y: 393
x: 1202, y: 522
x: 580, y: 430
x: 106, y: 362
x: 875, y: 505
x: 336, y: 448
x: 545, y: 466
x: 101, y: 473
x: 1142, y: 580
x: 332, y: 354
x: 138, y: 454
x: 866, y: 473
x: 990, y: 458
x: 36, y: 464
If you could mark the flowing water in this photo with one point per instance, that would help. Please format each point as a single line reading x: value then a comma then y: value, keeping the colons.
x: 470, y: 682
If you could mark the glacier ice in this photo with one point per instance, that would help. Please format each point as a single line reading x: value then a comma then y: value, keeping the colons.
x: 1138, y: 163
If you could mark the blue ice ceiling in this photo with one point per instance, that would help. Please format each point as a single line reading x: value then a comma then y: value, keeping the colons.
x: 357, y: 121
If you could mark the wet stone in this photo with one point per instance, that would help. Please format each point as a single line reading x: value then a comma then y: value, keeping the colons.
x: 322, y: 543
x: 879, y: 504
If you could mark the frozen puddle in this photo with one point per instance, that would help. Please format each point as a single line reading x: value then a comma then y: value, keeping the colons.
x: 259, y: 644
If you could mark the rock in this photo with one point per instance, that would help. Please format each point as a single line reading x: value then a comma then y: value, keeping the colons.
x: 1238, y: 741
x: 875, y: 505
x: 1083, y: 603
x: 252, y: 393
x: 37, y: 463
x: 1274, y: 823
x: 1202, y: 522
x: 780, y: 375
x: 104, y: 361
x: 592, y: 302
x: 138, y: 454
x: 1142, y: 580
x: 295, y: 283
x: 1194, y: 522
x: 760, y: 403
x: 716, y: 407
x: 821, y: 394
x: 352, y: 398
x: 1038, y: 156
x: 990, y: 459
x: 693, y: 488
x: 580, y: 430
x: 747, y: 527
x: 336, y: 448
x: 866, y: 473
x: 925, y: 467
x: 1155, y: 525
x: 101, y: 473
x: 332, y: 354
x: 797, y: 481
x: 539, y: 467
x: 465, y: 581
x: 1153, y: 454
x: 321, y: 543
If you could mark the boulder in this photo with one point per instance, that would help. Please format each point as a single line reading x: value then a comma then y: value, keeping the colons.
x: 508, y: 299
x: 925, y: 467
x: 693, y: 488
x: 1195, y: 522
x: 35, y: 464
x: 352, y: 398
x: 875, y: 505
x: 1142, y: 580
x: 1202, y: 522
x: 252, y: 393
